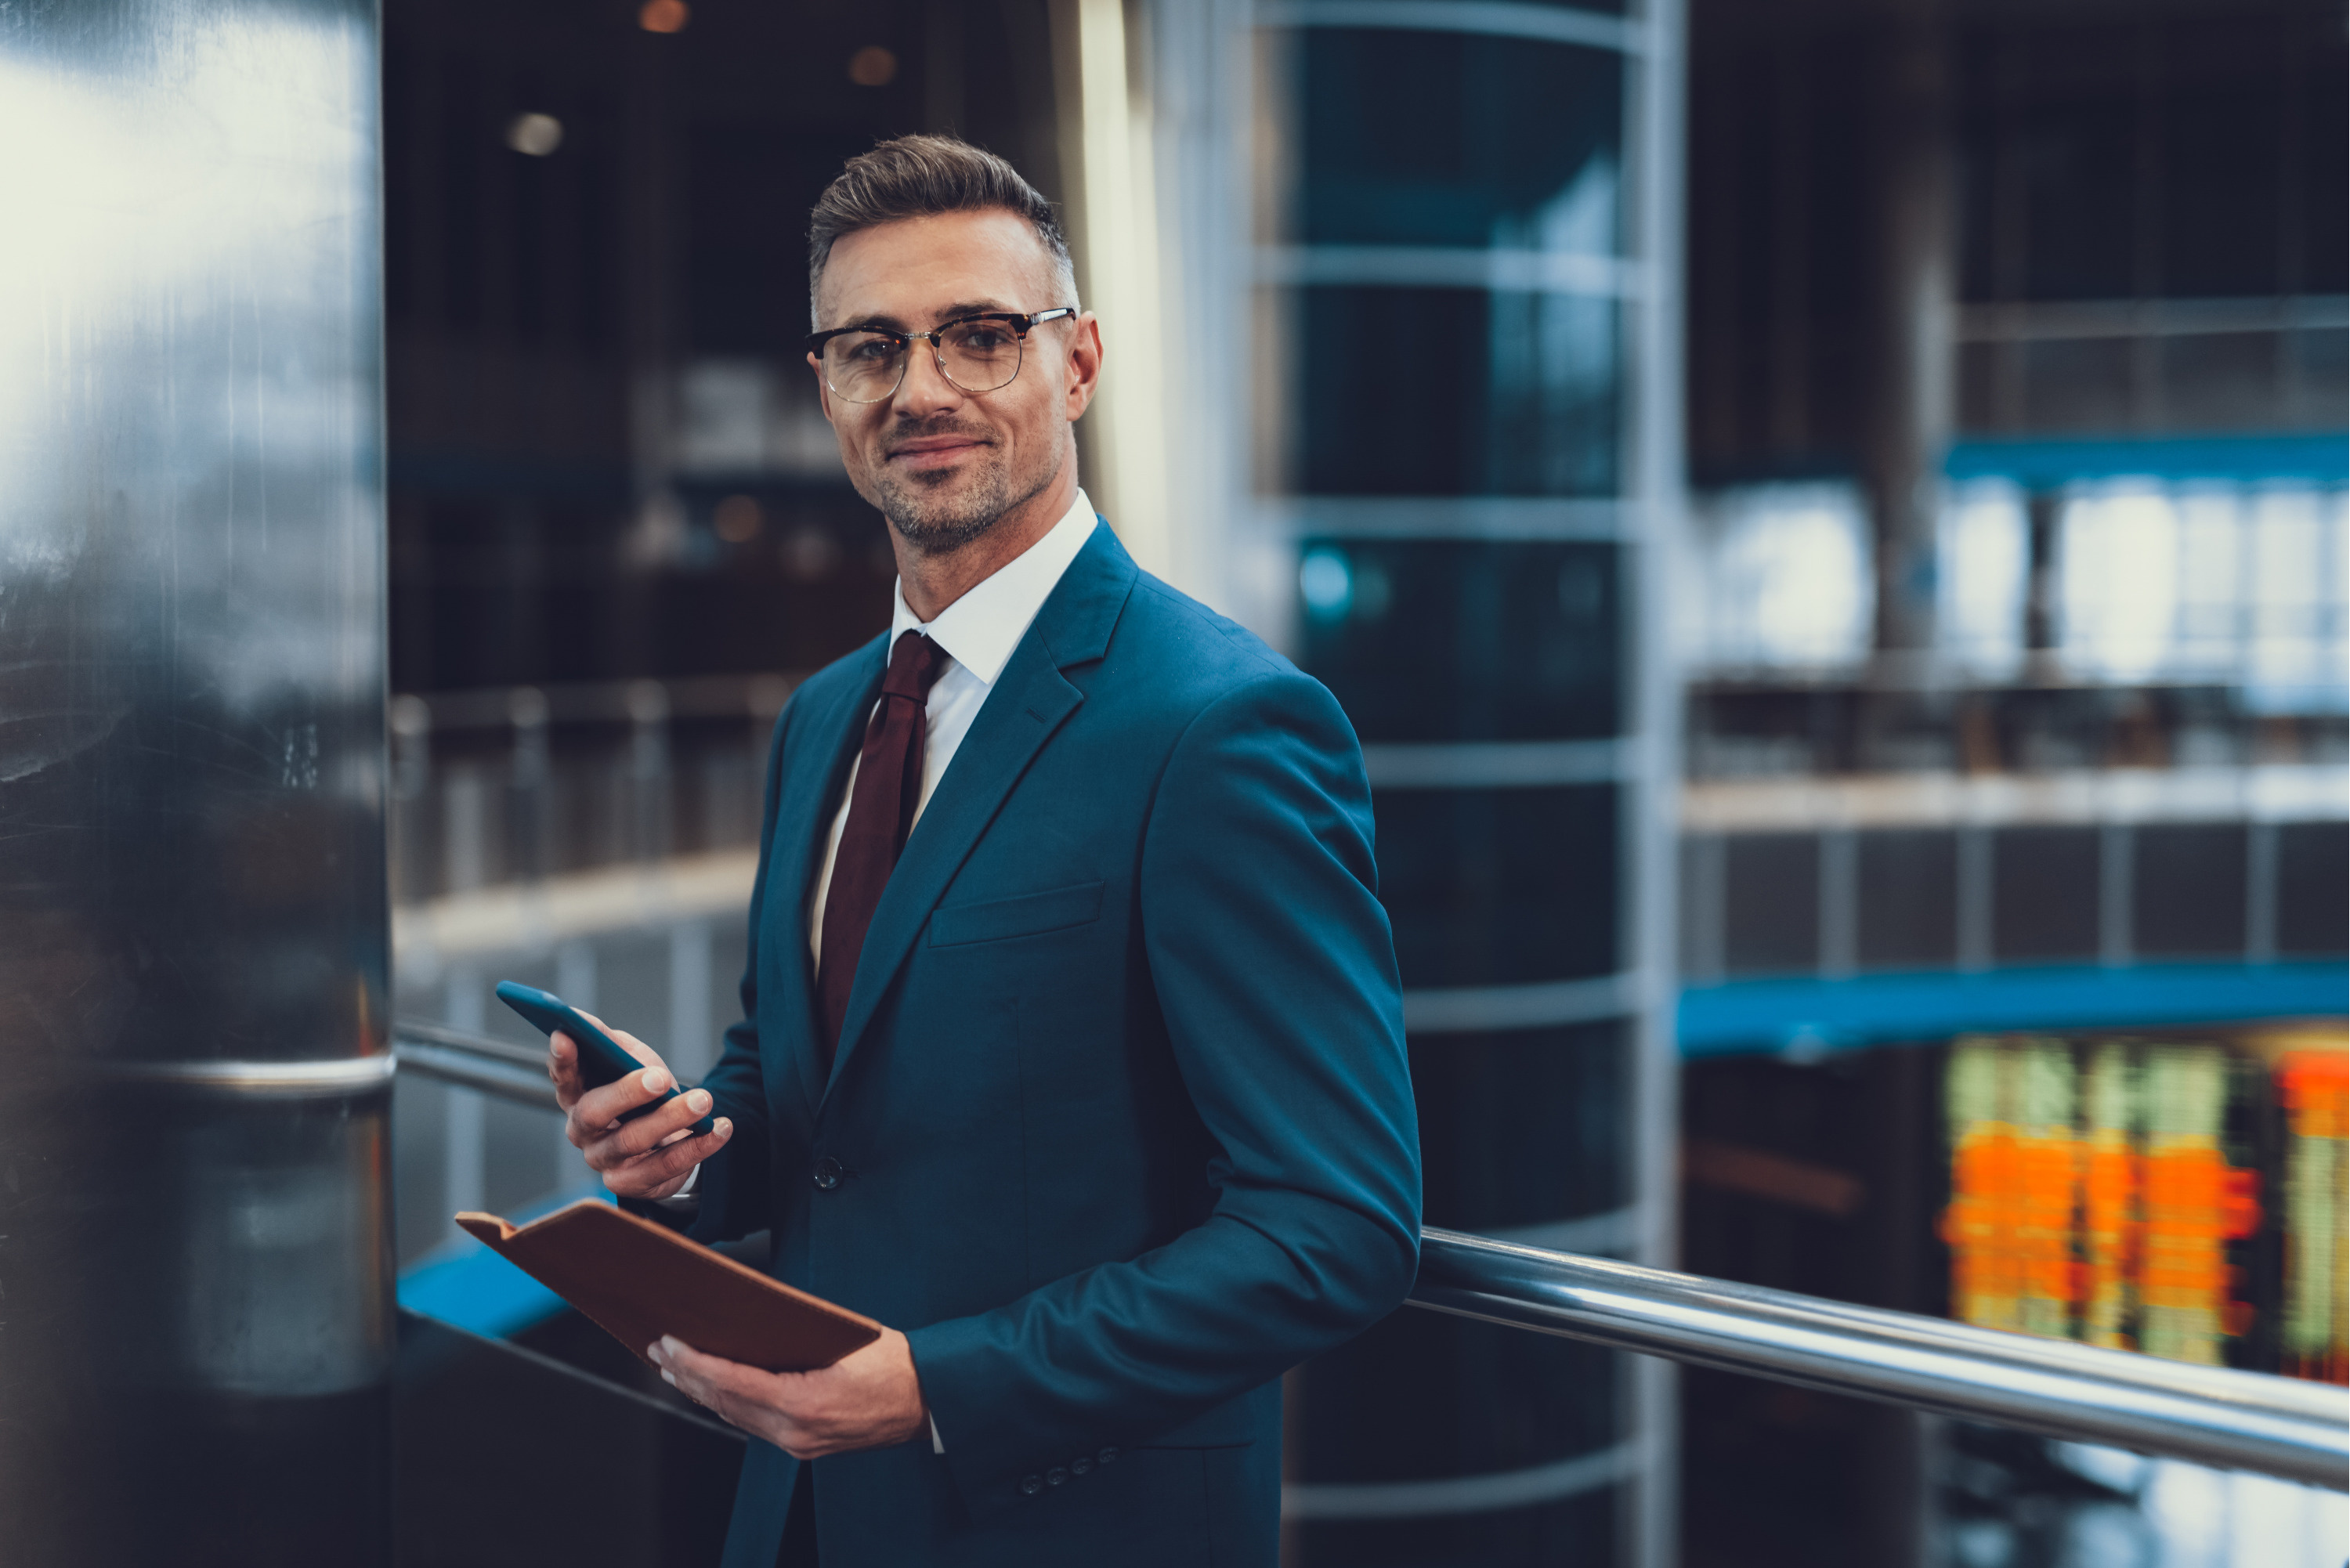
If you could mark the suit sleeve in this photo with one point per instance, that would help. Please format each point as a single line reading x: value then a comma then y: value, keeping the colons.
x: 732, y: 1188
x: 1276, y: 979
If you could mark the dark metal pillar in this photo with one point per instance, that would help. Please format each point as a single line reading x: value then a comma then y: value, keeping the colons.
x: 1911, y: 374
x: 195, y: 1247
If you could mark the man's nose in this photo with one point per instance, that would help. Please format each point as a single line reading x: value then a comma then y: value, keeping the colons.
x: 924, y: 389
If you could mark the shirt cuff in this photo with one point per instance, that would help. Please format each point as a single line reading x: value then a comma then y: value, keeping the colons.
x: 938, y: 1444
x: 684, y: 1201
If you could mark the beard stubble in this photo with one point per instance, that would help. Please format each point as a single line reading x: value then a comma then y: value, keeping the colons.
x: 937, y: 514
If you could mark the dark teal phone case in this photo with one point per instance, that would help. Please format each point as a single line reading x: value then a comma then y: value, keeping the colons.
x: 601, y: 1060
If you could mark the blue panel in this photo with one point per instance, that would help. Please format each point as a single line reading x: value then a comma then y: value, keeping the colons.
x: 466, y: 1284
x: 1422, y: 1395
x: 1522, y: 1127
x: 2324, y: 457
x: 1456, y: 392
x: 1419, y: 137
x: 1500, y: 886
x: 1774, y: 1014
x: 1465, y: 640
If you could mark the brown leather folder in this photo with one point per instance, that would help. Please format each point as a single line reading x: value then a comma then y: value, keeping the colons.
x: 638, y: 1281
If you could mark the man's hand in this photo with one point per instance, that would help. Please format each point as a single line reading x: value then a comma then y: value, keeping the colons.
x: 870, y: 1399
x: 651, y: 1156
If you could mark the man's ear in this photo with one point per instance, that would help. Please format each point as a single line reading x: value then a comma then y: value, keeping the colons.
x: 1084, y: 359
x: 823, y: 391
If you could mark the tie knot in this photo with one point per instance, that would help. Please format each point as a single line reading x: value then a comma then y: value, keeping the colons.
x: 915, y: 664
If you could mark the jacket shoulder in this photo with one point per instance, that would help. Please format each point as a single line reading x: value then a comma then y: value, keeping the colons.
x: 1199, y: 655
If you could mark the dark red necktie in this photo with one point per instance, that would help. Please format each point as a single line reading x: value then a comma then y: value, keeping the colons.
x: 881, y: 814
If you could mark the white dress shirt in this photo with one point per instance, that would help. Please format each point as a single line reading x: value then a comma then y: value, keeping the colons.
x: 978, y: 632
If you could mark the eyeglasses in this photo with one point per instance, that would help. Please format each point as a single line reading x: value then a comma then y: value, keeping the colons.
x: 976, y: 353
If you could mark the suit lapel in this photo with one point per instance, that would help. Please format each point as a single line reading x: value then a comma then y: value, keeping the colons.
x: 813, y: 779
x: 1029, y: 701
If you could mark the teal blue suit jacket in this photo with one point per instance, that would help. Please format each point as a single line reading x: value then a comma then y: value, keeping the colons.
x: 1120, y: 1125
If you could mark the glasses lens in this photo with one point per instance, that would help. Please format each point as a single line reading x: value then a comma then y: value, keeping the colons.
x: 980, y: 356
x: 863, y: 367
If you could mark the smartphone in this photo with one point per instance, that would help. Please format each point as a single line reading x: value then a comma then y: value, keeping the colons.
x: 601, y: 1059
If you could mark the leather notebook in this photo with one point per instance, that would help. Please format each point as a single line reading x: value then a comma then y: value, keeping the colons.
x: 638, y: 1281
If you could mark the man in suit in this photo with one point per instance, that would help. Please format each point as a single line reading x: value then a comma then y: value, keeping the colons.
x: 1071, y: 1041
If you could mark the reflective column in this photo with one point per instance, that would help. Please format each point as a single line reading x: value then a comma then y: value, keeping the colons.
x: 195, y: 1247
x: 1461, y: 436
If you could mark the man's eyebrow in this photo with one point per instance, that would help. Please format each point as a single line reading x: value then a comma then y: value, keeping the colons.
x: 875, y: 323
x: 955, y: 312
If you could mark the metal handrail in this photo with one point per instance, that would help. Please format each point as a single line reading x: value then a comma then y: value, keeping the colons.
x: 2209, y: 1415
x: 2213, y: 1415
x: 476, y: 1061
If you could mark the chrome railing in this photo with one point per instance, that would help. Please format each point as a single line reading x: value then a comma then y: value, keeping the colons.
x: 514, y: 1073
x: 2211, y: 1415
x: 2208, y: 1414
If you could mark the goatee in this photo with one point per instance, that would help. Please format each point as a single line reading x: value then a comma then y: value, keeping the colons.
x: 937, y: 523
x: 938, y: 514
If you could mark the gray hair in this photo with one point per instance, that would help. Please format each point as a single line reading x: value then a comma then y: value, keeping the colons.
x: 920, y: 177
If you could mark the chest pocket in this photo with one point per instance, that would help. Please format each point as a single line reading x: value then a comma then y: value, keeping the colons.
x: 1025, y: 916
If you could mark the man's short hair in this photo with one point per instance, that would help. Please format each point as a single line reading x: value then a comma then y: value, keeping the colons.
x: 921, y: 176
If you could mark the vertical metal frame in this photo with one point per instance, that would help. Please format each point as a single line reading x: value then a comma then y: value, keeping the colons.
x: 1200, y: 66
x: 1654, y: 139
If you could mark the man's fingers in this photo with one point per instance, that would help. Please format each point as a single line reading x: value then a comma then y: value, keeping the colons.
x: 684, y: 1379
x: 648, y: 1131
x: 668, y: 1355
x: 600, y: 1106
x: 563, y: 1067
x: 671, y: 1354
x: 594, y: 1118
x: 774, y: 1405
x: 721, y: 1386
x: 593, y: 1114
x: 693, y: 1151
x: 646, y: 1173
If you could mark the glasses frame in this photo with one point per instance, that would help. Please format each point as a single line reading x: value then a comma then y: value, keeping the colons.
x: 1021, y: 322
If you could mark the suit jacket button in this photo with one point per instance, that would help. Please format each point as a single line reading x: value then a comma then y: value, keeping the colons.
x: 827, y: 1174
x: 1080, y: 1465
x: 1030, y: 1486
x: 1056, y: 1476
x: 1106, y: 1456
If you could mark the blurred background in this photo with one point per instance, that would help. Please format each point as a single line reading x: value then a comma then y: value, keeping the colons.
x: 1831, y: 519
x: 1827, y: 515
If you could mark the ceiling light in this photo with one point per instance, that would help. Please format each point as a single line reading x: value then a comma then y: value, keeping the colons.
x: 872, y: 66
x: 535, y: 135
x: 738, y: 519
x: 664, y: 16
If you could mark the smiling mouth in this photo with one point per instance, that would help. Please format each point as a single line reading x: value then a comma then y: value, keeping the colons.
x: 934, y: 448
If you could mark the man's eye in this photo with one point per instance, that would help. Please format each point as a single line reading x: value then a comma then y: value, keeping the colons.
x: 987, y: 339
x: 870, y: 348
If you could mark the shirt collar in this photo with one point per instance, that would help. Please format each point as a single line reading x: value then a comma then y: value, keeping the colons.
x: 979, y: 629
